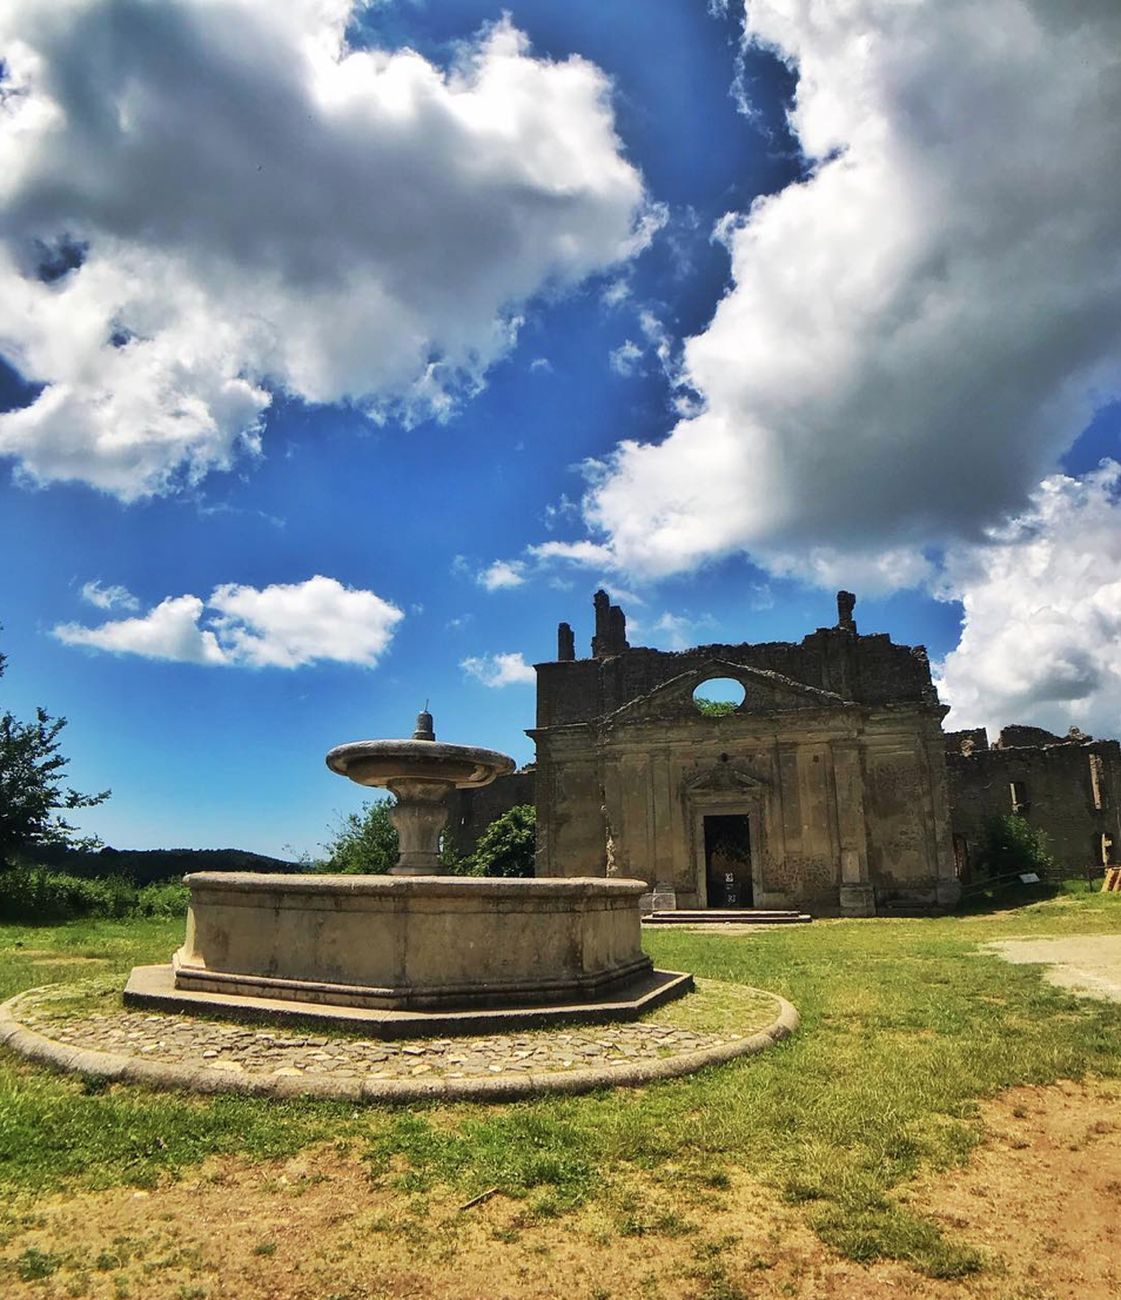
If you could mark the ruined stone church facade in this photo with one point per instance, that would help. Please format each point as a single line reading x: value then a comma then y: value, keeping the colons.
x: 825, y: 789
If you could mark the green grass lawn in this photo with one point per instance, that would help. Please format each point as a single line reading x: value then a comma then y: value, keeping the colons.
x: 904, y: 1027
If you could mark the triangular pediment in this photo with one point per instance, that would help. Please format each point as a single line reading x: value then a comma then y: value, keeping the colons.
x: 723, y: 778
x: 764, y: 692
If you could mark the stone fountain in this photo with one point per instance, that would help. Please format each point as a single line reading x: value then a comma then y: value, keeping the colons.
x: 421, y: 773
x: 412, y: 952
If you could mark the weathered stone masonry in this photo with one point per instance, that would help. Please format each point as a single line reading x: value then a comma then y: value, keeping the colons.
x: 1064, y: 786
x: 834, y: 761
x: 846, y: 793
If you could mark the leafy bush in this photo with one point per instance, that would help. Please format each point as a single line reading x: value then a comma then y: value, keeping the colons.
x: 366, y: 843
x: 507, y: 845
x: 34, y: 894
x: 363, y: 843
x: 165, y: 899
x: 1012, y: 844
x: 714, y: 708
x: 452, y: 864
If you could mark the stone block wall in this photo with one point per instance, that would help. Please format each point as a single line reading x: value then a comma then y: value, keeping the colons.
x: 864, y: 669
x: 1070, y: 790
x: 835, y: 757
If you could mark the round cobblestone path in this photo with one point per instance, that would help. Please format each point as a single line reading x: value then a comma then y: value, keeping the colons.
x: 84, y: 1028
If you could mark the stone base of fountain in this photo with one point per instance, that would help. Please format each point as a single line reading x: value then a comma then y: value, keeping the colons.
x: 420, y: 944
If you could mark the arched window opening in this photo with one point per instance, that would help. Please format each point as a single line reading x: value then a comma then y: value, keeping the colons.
x: 718, y: 696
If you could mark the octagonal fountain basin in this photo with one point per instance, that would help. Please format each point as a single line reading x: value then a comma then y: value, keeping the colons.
x: 411, y: 942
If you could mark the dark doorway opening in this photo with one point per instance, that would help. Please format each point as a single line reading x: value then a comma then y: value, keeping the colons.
x: 728, y: 861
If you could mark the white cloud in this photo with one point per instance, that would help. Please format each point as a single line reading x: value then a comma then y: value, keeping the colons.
x: 565, y: 508
x: 1041, y: 630
x: 289, y: 624
x: 872, y: 571
x: 584, y: 552
x: 285, y: 625
x: 616, y: 292
x: 659, y: 339
x: 762, y: 597
x: 542, y: 558
x: 170, y: 631
x: 116, y: 597
x: 502, y: 573
x: 672, y: 631
x: 509, y: 669
x: 625, y: 358
x: 918, y: 328
x: 247, y: 203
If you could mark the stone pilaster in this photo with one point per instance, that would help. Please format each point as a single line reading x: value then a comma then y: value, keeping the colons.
x: 856, y: 895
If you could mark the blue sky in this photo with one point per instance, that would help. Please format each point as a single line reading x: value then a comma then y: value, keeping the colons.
x: 723, y: 309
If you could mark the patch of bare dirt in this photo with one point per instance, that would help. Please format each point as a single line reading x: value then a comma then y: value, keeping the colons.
x: 1041, y: 1198
x: 316, y: 1228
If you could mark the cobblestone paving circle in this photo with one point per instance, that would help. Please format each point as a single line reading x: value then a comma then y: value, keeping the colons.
x: 252, y: 1053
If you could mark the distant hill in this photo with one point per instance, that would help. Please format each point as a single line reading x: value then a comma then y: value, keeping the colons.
x: 145, y: 865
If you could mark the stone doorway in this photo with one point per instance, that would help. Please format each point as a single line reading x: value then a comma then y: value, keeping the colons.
x: 727, y: 842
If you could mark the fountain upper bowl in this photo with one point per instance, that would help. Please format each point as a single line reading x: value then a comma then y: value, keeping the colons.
x: 380, y: 762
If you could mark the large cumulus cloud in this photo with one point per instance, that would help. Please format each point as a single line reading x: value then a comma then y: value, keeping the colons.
x: 1041, y: 598
x: 204, y: 200
x: 916, y: 330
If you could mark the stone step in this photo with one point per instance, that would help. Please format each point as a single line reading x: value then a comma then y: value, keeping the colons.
x: 726, y: 916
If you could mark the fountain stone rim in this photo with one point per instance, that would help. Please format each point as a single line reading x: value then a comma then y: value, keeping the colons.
x: 381, y: 762
x: 544, y: 887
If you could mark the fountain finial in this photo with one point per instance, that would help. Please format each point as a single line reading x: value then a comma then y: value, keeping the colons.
x: 424, y: 729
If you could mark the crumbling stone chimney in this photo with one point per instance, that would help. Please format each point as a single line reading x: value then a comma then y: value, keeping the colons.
x: 566, y: 643
x: 611, y: 628
x: 845, y: 602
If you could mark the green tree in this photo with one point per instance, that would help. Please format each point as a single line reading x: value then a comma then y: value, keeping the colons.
x: 507, y: 845
x: 364, y: 842
x: 714, y: 708
x: 32, y: 793
x: 1011, y: 843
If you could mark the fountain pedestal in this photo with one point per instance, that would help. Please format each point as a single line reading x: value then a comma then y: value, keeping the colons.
x: 418, y: 816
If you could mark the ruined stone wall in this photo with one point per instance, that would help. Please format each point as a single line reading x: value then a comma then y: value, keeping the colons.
x: 965, y: 742
x: 1070, y: 791
x: 661, y: 779
x: 572, y: 834
x: 846, y: 802
x: 865, y: 669
x: 846, y: 811
x: 835, y: 757
x: 907, y: 811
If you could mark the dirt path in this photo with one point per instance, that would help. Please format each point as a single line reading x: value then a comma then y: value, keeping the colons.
x: 1041, y: 1198
x: 1085, y: 964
